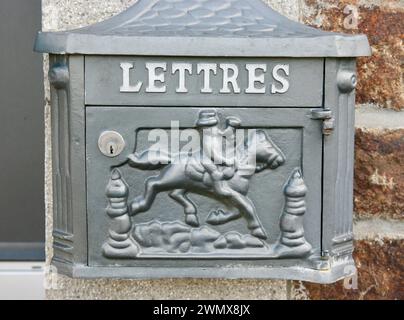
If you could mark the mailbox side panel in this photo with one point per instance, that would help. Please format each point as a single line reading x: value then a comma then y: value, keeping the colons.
x: 68, y: 156
x: 337, y: 244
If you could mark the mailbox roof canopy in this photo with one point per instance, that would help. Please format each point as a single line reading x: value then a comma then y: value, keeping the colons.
x: 233, y: 28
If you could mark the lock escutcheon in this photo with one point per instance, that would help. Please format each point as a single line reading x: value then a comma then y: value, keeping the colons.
x: 111, y: 143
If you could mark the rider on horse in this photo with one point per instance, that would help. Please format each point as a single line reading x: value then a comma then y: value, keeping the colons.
x: 212, y: 143
x: 219, y: 169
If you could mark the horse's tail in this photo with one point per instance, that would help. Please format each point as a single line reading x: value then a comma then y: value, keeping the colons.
x: 149, y: 160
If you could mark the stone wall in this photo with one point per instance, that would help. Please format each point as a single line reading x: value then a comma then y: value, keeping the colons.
x: 379, y: 169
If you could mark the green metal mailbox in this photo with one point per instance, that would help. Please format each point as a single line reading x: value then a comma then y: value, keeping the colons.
x: 203, y: 138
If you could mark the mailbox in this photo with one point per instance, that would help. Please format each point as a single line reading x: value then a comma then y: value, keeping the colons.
x: 203, y: 138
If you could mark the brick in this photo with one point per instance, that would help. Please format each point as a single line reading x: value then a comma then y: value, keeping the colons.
x: 380, y: 265
x: 380, y: 76
x: 379, y: 173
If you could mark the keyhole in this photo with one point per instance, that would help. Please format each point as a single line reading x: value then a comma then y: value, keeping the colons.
x: 111, y: 144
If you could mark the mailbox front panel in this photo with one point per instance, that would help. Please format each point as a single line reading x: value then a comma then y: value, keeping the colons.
x: 120, y: 215
x: 145, y: 213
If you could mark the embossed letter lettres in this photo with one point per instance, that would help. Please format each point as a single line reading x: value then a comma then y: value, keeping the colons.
x: 211, y: 78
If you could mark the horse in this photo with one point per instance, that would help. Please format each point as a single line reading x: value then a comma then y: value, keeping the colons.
x: 184, y: 173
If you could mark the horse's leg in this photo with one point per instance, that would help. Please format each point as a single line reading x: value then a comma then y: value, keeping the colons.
x: 171, y: 178
x: 247, y: 208
x: 190, y: 210
x: 143, y: 203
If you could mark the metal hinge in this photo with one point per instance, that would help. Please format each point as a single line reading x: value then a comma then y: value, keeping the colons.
x: 326, y: 116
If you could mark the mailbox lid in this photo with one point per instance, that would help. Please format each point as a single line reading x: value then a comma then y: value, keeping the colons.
x: 162, y: 233
x: 202, y: 28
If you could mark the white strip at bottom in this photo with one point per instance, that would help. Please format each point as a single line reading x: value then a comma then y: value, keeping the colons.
x: 22, y: 281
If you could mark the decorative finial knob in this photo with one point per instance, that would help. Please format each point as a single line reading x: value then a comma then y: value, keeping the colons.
x: 347, y: 81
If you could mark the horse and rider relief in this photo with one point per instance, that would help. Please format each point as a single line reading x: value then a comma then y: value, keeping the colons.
x: 220, y: 172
